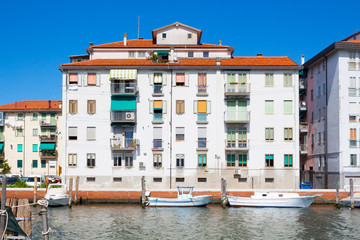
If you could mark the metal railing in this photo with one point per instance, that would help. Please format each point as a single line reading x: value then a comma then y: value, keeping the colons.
x: 237, y: 88
x: 158, y: 89
x: 237, y: 116
x: 157, y: 144
x: 353, y: 143
x: 124, y: 88
x: 237, y: 144
x: 302, y: 84
x: 202, y: 117
x: 122, y: 143
x: 202, y: 89
x: 47, y: 138
x: 123, y: 116
x: 303, y: 148
x: 51, y: 122
x: 302, y: 105
x: 48, y: 154
x: 303, y: 127
x: 158, y: 116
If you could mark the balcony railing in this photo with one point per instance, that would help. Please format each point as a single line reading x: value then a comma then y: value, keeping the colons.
x: 158, y: 89
x: 353, y: 143
x: 48, y: 154
x: 157, y: 145
x: 123, y: 116
x: 237, y: 116
x: 44, y: 123
x: 202, y: 89
x: 158, y: 117
x: 303, y: 127
x: 123, y: 143
x: 51, y: 138
x: 302, y: 84
x: 237, y: 145
x: 128, y: 88
x: 2, y: 138
x: 303, y: 148
x: 302, y: 105
x: 237, y: 89
x: 201, y: 117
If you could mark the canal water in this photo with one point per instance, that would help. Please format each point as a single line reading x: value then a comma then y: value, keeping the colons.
x: 213, y: 222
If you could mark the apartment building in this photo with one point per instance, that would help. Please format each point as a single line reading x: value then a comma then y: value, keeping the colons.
x: 179, y: 112
x: 30, y: 137
x: 332, y: 79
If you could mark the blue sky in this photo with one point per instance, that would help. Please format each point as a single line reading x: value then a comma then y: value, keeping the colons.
x: 38, y: 36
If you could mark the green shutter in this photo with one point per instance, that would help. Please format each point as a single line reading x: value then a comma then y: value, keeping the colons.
x: 269, y: 106
x: 288, y: 106
x: 35, y: 164
x: 43, y: 163
x: 35, y: 147
x: 43, y: 116
x: 231, y: 110
x: 19, y: 163
x: 52, y: 119
x: 231, y: 134
x: 286, y: 159
x: 19, y: 147
x: 121, y: 103
x: 200, y: 159
x: 290, y: 160
x: 242, y: 110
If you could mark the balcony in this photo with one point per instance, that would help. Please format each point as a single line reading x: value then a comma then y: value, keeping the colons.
x: 236, y: 89
x: 303, y: 128
x: 302, y: 85
x: 157, y: 145
x: 239, y: 145
x: 123, y: 116
x: 47, y: 123
x: 46, y: 154
x: 51, y: 138
x: 124, y: 144
x: 124, y: 88
x: 303, y: 149
x: 242, y: 117
x: 302, y: 106
x: 353, y: 143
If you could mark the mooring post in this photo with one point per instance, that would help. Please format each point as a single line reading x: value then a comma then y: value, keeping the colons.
x: 352, y: 193
x: 337, y: 191
x: 3, y: 201
x: 223, y: 193
x: 76, y: 189
x: 44, y: 215
x: 143, y: 191
x: 35, y: 190
x: 70, y: 191
x: 46, y: 184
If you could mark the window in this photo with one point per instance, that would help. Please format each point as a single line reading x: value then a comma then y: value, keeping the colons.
x: 231, y: 160
x: 324, y: 89
x: 117, y: 159
x: 353, y: 109
x: 352, y: 87
x: 91, y: 106
x: 319, y: 115
x: 269, y: 106
x: 34, y: 116
x: 312, y: 140
x: 91, y: 133
x: 73, y: 78
x: 180, y: 79
x: 202, y: 83
x: 287, y: 80
x: 312, y: 94
x: 269, y: 80
x: 73, y: 106
x: 90, y: 179
x: 202, y: 179
x: 202, y: 160
x: 131, y: 54
x: 231, y: 138
x: 311, y: 72
x: 269, y: 180
x: 20, y: 116
x: 201, y: 142
x: 202, y: 136
x: 243, y: 180
x: 35, y: 132
x: 19, y: 147
x: 180, y: 106
x: 288, y: 134
x: 288, y: 160
x: 242, y: 139
x: 72, y: 160
x: 352, y: 61
x: 319, y: 138
x: 288, y: 107
x: 180, y: 160
x: 159, y: 108
x: 90, y: 160
x: 269, y: 160
x: 34, y: 163
x: 319, y: 91
x: 117, y: 179
x: 190, y: 54
x: 242, y: 160
x: 352, y: 118
x: 91, y: 79
x: 158, y: 83
x: 163, y: 35
x: 19, y: 132
x: 129, y: 160
x: 353, y: 161
x: 141, y: 54
x: 34, y: 147
x: 180, y: 179
x: 312, y: 117
x: 180, y: 134
x: 324, y: 112
x: 72, y: 133
x: 6, y: 116
x: 202, y: 107
x: 157, y: 136
x: 269, y: 134
x: 157, y: 160
x: 189, y: 36
x: 157, y: 179
x: 43, y: 163
x: 205, y: 54
x: 19, y: 163
x: 352, y: 137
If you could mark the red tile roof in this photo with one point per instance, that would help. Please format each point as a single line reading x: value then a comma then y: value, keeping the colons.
x: 352, y: 41
x: 148, y: 43
x: 29, y: 105
x: 236, y: 61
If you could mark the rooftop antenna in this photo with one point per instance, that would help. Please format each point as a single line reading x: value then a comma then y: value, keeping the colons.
x: 138, y: 27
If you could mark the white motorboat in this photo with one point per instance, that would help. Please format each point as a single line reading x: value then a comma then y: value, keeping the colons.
x: 273, y: 199
x: 184, y: 199
x: 56, y: 195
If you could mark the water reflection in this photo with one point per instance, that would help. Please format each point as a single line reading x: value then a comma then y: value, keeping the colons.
x: 212, y: 222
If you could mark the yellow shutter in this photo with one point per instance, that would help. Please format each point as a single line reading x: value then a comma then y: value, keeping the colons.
x: 157, y: 104
x: 201, y: 106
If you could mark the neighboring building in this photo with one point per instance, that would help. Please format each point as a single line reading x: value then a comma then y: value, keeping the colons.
x: 30, y: 137
x: 332, y: 99
x: 190, y: 116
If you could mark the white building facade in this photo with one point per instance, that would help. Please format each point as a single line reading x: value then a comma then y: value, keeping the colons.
x: 190, y: 115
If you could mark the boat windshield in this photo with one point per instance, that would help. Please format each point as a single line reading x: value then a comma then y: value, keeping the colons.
x: 185, y: 190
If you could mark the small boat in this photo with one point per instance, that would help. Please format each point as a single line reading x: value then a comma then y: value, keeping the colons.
x: 56, y: 195
x: 184, y: 199
x: 273, y: 199
x: 347, y: 201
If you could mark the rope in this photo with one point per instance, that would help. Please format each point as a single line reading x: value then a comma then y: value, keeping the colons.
x: 4, y: 212
x: 47, y: 232
x: 43, y: 202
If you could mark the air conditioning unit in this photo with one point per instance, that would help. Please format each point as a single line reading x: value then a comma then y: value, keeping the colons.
x: 237, y: 172
x: 130, y: 116
x: 43, y: 122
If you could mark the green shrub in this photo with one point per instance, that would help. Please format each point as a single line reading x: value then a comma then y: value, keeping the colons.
x: 21, y: 184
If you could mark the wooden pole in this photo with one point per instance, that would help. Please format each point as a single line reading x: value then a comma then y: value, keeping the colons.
x: 3, y: 201
x: 352, y: 193
x: 35, y: 190
x: 337, y: 191
x: 76, y: 189
x: 223, y: 193
x: 143, y: 191
x: 70, y: 191
x: 46, y: 184
x: 43, y: 213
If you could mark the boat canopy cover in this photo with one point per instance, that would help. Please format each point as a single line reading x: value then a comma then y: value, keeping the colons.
x: 13, y: 225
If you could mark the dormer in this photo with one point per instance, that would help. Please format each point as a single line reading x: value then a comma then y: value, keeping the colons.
x: 176, y: 34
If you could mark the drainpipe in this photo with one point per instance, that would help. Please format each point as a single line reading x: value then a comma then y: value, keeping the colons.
x: 171, y: 77
x: 24, y: 148
x: 326, y: 123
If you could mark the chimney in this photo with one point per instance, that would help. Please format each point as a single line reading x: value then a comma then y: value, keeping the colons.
x: 220, y: 42
x: 259, y: 54
x: 125, y: 36
x: 302, y: 59
x: 49, y: 104
x: 90, y: 44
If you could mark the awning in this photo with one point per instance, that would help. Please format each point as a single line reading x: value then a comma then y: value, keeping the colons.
x: 162, y: 53
x: 1, y: 146
x: 121, y: 103
x: 123, y: 74
x: 123, y: 124
x: 47, y: 146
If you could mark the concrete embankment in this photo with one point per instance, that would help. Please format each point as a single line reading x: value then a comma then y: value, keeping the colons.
x: 125, y: 196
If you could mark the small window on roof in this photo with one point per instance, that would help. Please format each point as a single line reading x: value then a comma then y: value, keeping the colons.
x: 164, y: 35
x: 189, y: 35
x: 205, y: 54
x: 190, y: 54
